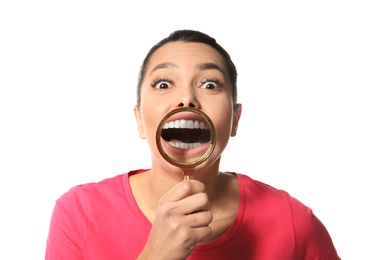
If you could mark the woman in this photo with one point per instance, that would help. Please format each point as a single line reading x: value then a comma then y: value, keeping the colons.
x: 155, y: 213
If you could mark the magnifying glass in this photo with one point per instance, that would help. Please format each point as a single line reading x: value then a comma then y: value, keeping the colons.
x: 185, y: 138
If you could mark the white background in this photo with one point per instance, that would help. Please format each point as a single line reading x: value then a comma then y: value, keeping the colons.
x: 68, y: 72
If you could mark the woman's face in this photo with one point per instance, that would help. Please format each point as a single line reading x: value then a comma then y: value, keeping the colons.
x: 183, y: 74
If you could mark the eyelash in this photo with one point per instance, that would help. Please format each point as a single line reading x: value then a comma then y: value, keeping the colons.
x: 155, y: 82
x: 159, y: 80
x: 213, y: 80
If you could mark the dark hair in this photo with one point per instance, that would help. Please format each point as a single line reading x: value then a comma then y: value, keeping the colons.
x: 192, y: 36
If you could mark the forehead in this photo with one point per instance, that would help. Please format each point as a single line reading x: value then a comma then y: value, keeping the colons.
x: 186, y: 54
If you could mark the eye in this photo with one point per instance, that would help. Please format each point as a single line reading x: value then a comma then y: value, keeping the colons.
x: 211, y: 84
x: 161, y: 83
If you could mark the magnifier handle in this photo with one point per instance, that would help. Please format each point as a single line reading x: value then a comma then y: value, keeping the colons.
x: 188, y: 177
x: 188, y: 174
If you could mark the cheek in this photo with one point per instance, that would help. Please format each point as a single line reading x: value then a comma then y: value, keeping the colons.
x: 148, y: 111
x: 224, y: 131
x: 149, y: 121
x: 223, y: 125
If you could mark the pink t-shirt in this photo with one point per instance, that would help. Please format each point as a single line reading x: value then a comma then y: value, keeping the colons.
x: 102, y: 221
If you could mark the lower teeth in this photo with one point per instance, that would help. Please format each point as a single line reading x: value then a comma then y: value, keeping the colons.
x: 184, y: 145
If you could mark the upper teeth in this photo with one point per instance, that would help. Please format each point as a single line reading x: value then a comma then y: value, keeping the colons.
x: 182, y: 123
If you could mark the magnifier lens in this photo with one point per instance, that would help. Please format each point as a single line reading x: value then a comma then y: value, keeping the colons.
x: 185, y: 137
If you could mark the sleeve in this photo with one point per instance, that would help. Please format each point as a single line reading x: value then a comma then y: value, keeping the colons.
x: 68, y: 227
x: 312, y: 238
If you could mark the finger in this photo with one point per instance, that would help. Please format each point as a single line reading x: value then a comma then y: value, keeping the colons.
x: 200, y: 219
x: 194, y: 203
x: 184, y: 189
x: 201, y: 234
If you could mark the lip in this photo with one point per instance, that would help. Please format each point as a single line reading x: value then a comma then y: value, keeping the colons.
x: 185, y: 116
x: 185, y: 155
x: 185, y: 137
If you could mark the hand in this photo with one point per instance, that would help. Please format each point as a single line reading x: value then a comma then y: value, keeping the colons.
x: 181, y: 221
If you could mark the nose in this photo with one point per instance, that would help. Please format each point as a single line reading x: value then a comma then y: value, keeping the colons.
x: 187, y: 98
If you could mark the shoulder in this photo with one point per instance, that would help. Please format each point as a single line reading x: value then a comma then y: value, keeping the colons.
x: 105, y: 191
x: 80, y: 196
x: 262, y: 193
x: 273, y: 205
x: 111, y: 184
x: 260, y: 190
x: 94, y: 187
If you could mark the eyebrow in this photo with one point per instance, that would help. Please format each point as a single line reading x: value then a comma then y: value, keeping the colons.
x: 201, y: 66
x: 209, y: 66
x: 165, y: 65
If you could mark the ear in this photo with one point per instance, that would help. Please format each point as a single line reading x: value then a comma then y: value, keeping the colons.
x: 236, y: 119
x: 138, y: 118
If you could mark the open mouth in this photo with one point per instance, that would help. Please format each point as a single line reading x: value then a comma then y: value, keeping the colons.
x: 186, y: 133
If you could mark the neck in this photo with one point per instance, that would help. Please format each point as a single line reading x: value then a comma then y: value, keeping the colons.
x: 162, y: 179
x: 148, y: 187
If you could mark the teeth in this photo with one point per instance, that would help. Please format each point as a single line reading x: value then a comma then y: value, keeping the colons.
x: 185, y: 124
x: 188, y: 124
x: 184, y: 145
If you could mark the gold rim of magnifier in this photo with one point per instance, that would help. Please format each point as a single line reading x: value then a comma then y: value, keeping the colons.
x: 201, y: 159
